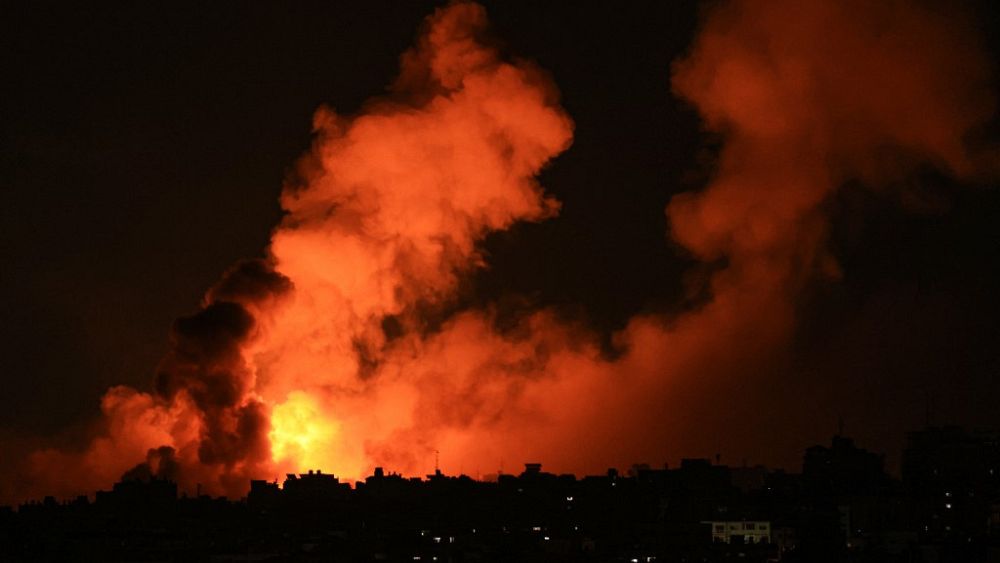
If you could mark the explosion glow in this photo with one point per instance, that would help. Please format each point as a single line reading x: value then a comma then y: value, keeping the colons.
x: 341, y: 350
x: 300, y: 433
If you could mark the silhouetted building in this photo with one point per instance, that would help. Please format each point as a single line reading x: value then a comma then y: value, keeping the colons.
x: 314, y: 487
x: 749, y: 479
x: 953, y: 477
x: 139, y: 495
x: 263, y: 494
x: 842, y: 508
x: 843, y: 469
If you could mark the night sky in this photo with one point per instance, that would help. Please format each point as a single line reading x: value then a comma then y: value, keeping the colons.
x: 145, y: 145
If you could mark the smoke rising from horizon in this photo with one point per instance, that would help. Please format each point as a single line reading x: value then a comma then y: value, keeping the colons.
x: 338, y: 351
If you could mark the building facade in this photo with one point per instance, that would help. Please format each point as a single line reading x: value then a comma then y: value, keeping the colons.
x: 741, y: 531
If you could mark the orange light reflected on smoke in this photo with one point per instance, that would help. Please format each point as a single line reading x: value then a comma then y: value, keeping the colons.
x: 335, y: 354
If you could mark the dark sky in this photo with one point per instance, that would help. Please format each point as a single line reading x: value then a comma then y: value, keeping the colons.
x: 144, y: 147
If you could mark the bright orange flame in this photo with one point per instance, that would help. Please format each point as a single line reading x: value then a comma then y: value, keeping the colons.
x: 331, y: 338
x: 301, y: 433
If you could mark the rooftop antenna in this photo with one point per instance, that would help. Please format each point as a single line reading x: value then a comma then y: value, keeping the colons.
x: 840, y: 426
x: 927, y: 409
x: 437, y: 464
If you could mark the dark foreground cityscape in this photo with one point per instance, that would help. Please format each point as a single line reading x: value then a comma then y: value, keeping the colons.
x: 843, y: 506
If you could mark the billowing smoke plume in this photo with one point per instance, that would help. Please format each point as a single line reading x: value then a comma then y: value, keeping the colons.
x: 807, y: 96
x: 283, y: 367
x: 383, y: 221
x: 338, y: 351
x: 160, y: 463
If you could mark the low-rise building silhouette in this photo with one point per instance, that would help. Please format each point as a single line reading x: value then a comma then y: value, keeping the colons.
x: 843, y: 507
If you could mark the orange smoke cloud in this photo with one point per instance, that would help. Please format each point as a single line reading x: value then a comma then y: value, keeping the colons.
x: 807, y: 97
x: 323, y: 355
x: 382, y: 223
x: 282, y: 368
